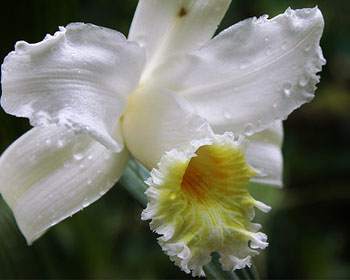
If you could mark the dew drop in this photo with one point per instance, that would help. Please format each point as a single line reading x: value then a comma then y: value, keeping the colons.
x: 59, y: 143
x: 21, y: 47
x: 82, y: 166
x: 303, y: 81
x: 274, y: 105
x: 85, y: 202
x: 89, y: 182
x: 90, y: 157
x: 99, y: 171
x: 249, y: 129
x: 287, y: 89
x: 78, y: 156
x: 266, y: 38
x: 48, y: 141
x: 102, y: 191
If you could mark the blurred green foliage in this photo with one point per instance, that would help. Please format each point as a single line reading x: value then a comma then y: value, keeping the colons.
x: 308, y: 228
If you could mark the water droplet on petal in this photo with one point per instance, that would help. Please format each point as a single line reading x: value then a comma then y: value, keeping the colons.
x: 266, y: 38
x: 287, y: 89
x: 249, y: 129
x: 78, y: 156
x: 303, y: 81
x: 89, y: 181
x: 21, y: 47
x: 274, y: 105
x: 48, y: 141
x: 90, y: 157
x: 102, y: 191
x: 59, y: 143
x: 85, y: 202
x: 82, y: 166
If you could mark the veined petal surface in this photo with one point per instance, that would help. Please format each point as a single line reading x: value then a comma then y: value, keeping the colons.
x: 264, y: 153
x: 199, y: 204
x: 165, y: 28
x: 253, y: 73
x: 157, y: 121
x: 78, y: 78
x: 50, y: 173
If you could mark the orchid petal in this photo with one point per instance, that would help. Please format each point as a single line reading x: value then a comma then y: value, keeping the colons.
x: 158, y: 121
x: 200, y: 204
x: 252, y: 73
x: 49, y: 174
x: 264, y: 153
x: 78, y: 78
x: 168, y: 27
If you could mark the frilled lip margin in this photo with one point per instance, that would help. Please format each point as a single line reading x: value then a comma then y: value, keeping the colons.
x: 200, y: 204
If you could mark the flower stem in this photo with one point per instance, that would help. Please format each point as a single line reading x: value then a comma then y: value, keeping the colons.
x: 133, y: 181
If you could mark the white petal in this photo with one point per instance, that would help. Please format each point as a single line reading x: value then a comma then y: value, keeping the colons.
x: 264, y: 153
x: 49, y: 174
x: 168, y: 27
x: 78, y: 78
x: 158, y: 121
x: 252, y: 73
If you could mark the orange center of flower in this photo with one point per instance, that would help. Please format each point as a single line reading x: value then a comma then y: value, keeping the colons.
x: 213, y: 172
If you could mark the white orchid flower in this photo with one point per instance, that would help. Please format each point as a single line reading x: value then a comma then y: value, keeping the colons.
x: 205, y: 114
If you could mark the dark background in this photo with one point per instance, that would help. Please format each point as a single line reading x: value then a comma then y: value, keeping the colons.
x: 308, y: 228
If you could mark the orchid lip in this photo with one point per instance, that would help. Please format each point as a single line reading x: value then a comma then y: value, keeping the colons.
x: 199, y: 204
